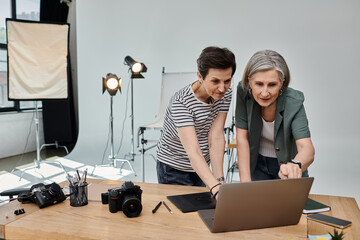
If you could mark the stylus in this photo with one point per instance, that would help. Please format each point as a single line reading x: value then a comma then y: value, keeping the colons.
x: 167, y: 207
x: 156, y: 208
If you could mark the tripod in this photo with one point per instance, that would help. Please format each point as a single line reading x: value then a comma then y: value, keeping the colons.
x: 38, y: 161
x: 56, y: 144
x: 112, y: 159
x: 143, y: 150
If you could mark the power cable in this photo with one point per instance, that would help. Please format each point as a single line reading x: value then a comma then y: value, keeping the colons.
x: 123, y: 124
x: 26, y: 143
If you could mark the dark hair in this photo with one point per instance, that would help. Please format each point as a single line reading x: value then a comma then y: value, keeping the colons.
x: 215, y: 57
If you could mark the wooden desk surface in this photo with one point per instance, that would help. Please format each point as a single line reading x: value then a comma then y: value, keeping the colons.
x: 94, y: 221
x: 232, y: 144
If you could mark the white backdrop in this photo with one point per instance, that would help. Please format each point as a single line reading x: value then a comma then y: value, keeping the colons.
x: 319, y: 39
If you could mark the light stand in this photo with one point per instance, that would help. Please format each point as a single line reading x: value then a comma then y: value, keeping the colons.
x: 112, y: 89
x: 143, y: 149
x: 132, y: 153
x: 35, y: 78
x: 38, y: 161
x: 136, y: 68
x: 56, y: 144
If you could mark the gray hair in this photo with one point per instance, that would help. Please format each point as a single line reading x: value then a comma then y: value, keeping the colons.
x: 266, y: 60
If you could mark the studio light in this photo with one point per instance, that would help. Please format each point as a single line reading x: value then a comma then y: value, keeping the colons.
x: 112, y: 84
x: 136, y: 67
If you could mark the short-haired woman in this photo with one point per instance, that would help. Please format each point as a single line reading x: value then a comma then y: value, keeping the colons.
x: 272, y: 133
x: 193, y: 132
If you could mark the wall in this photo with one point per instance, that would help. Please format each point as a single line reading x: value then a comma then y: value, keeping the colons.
x: 319, y: 40
x: 15, y: 129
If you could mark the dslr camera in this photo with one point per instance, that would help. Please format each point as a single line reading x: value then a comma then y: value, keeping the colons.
x: 126, y: 198
x: 43, y: 195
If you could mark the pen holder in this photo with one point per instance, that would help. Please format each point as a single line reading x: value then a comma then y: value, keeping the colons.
x: 79, y: 195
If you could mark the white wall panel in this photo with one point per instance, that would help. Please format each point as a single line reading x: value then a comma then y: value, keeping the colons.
x: 319, y: 39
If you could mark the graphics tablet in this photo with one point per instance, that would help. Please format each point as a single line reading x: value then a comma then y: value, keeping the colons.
x: 193, y: 202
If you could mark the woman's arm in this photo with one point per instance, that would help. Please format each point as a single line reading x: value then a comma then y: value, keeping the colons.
x: 217, y: 145
x: 305, y: 155
x: 243, y: 153
x: 191, y: 145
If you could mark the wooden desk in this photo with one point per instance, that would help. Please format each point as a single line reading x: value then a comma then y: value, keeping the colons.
x: 232, y: 144
x: 94, y: 221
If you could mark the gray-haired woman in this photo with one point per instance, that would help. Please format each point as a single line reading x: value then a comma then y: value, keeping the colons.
x: 272, y: 133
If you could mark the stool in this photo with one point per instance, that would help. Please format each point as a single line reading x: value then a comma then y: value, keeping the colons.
x: 232, y: 160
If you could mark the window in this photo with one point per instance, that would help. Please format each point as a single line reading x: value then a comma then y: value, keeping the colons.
x: 5, y: 12
x: 4, y: 103
x: 26, y: 10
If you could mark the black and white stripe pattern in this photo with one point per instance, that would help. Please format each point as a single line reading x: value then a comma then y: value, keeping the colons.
x: 186, y: 110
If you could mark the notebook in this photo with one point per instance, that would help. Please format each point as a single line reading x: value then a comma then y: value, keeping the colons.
x: 313, y: 206
x: 258, y: 204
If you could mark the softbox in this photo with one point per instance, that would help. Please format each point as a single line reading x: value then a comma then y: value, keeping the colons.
x: 37, y: 60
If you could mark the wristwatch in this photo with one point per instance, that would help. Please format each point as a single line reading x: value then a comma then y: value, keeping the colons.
x: 220, y: 179
x: 296, y: 162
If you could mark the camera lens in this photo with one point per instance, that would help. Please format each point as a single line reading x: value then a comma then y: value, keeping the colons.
x: 131, y: 206
x: 54, y: 189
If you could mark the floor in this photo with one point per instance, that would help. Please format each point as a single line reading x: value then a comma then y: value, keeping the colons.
x: 15, y: 172
x: 20, y: 171
x: 27, y: 159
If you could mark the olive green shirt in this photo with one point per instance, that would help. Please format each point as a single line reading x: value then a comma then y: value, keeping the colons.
x: 291, y: 123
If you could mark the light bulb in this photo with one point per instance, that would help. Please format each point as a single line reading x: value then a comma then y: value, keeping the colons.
x: 136, y: 67
x: 112, y: 83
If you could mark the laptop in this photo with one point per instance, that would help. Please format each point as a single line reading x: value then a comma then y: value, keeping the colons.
x: 258, y: 204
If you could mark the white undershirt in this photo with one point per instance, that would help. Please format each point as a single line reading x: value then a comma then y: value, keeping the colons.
x: 267, y: 139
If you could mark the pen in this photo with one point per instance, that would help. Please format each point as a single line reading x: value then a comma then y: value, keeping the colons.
x: 167, y: 207
x: 156, y: 208
x: 75, y: 178
x: 81, y: 179
x: 85, y: 175
x: 78, y: 175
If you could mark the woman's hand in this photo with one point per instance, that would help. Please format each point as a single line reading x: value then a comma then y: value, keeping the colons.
x: 290, y: 170
x: 191, y: 145
x: 243, y: 154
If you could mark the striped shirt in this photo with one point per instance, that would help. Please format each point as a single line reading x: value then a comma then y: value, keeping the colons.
x: 186, y: 110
